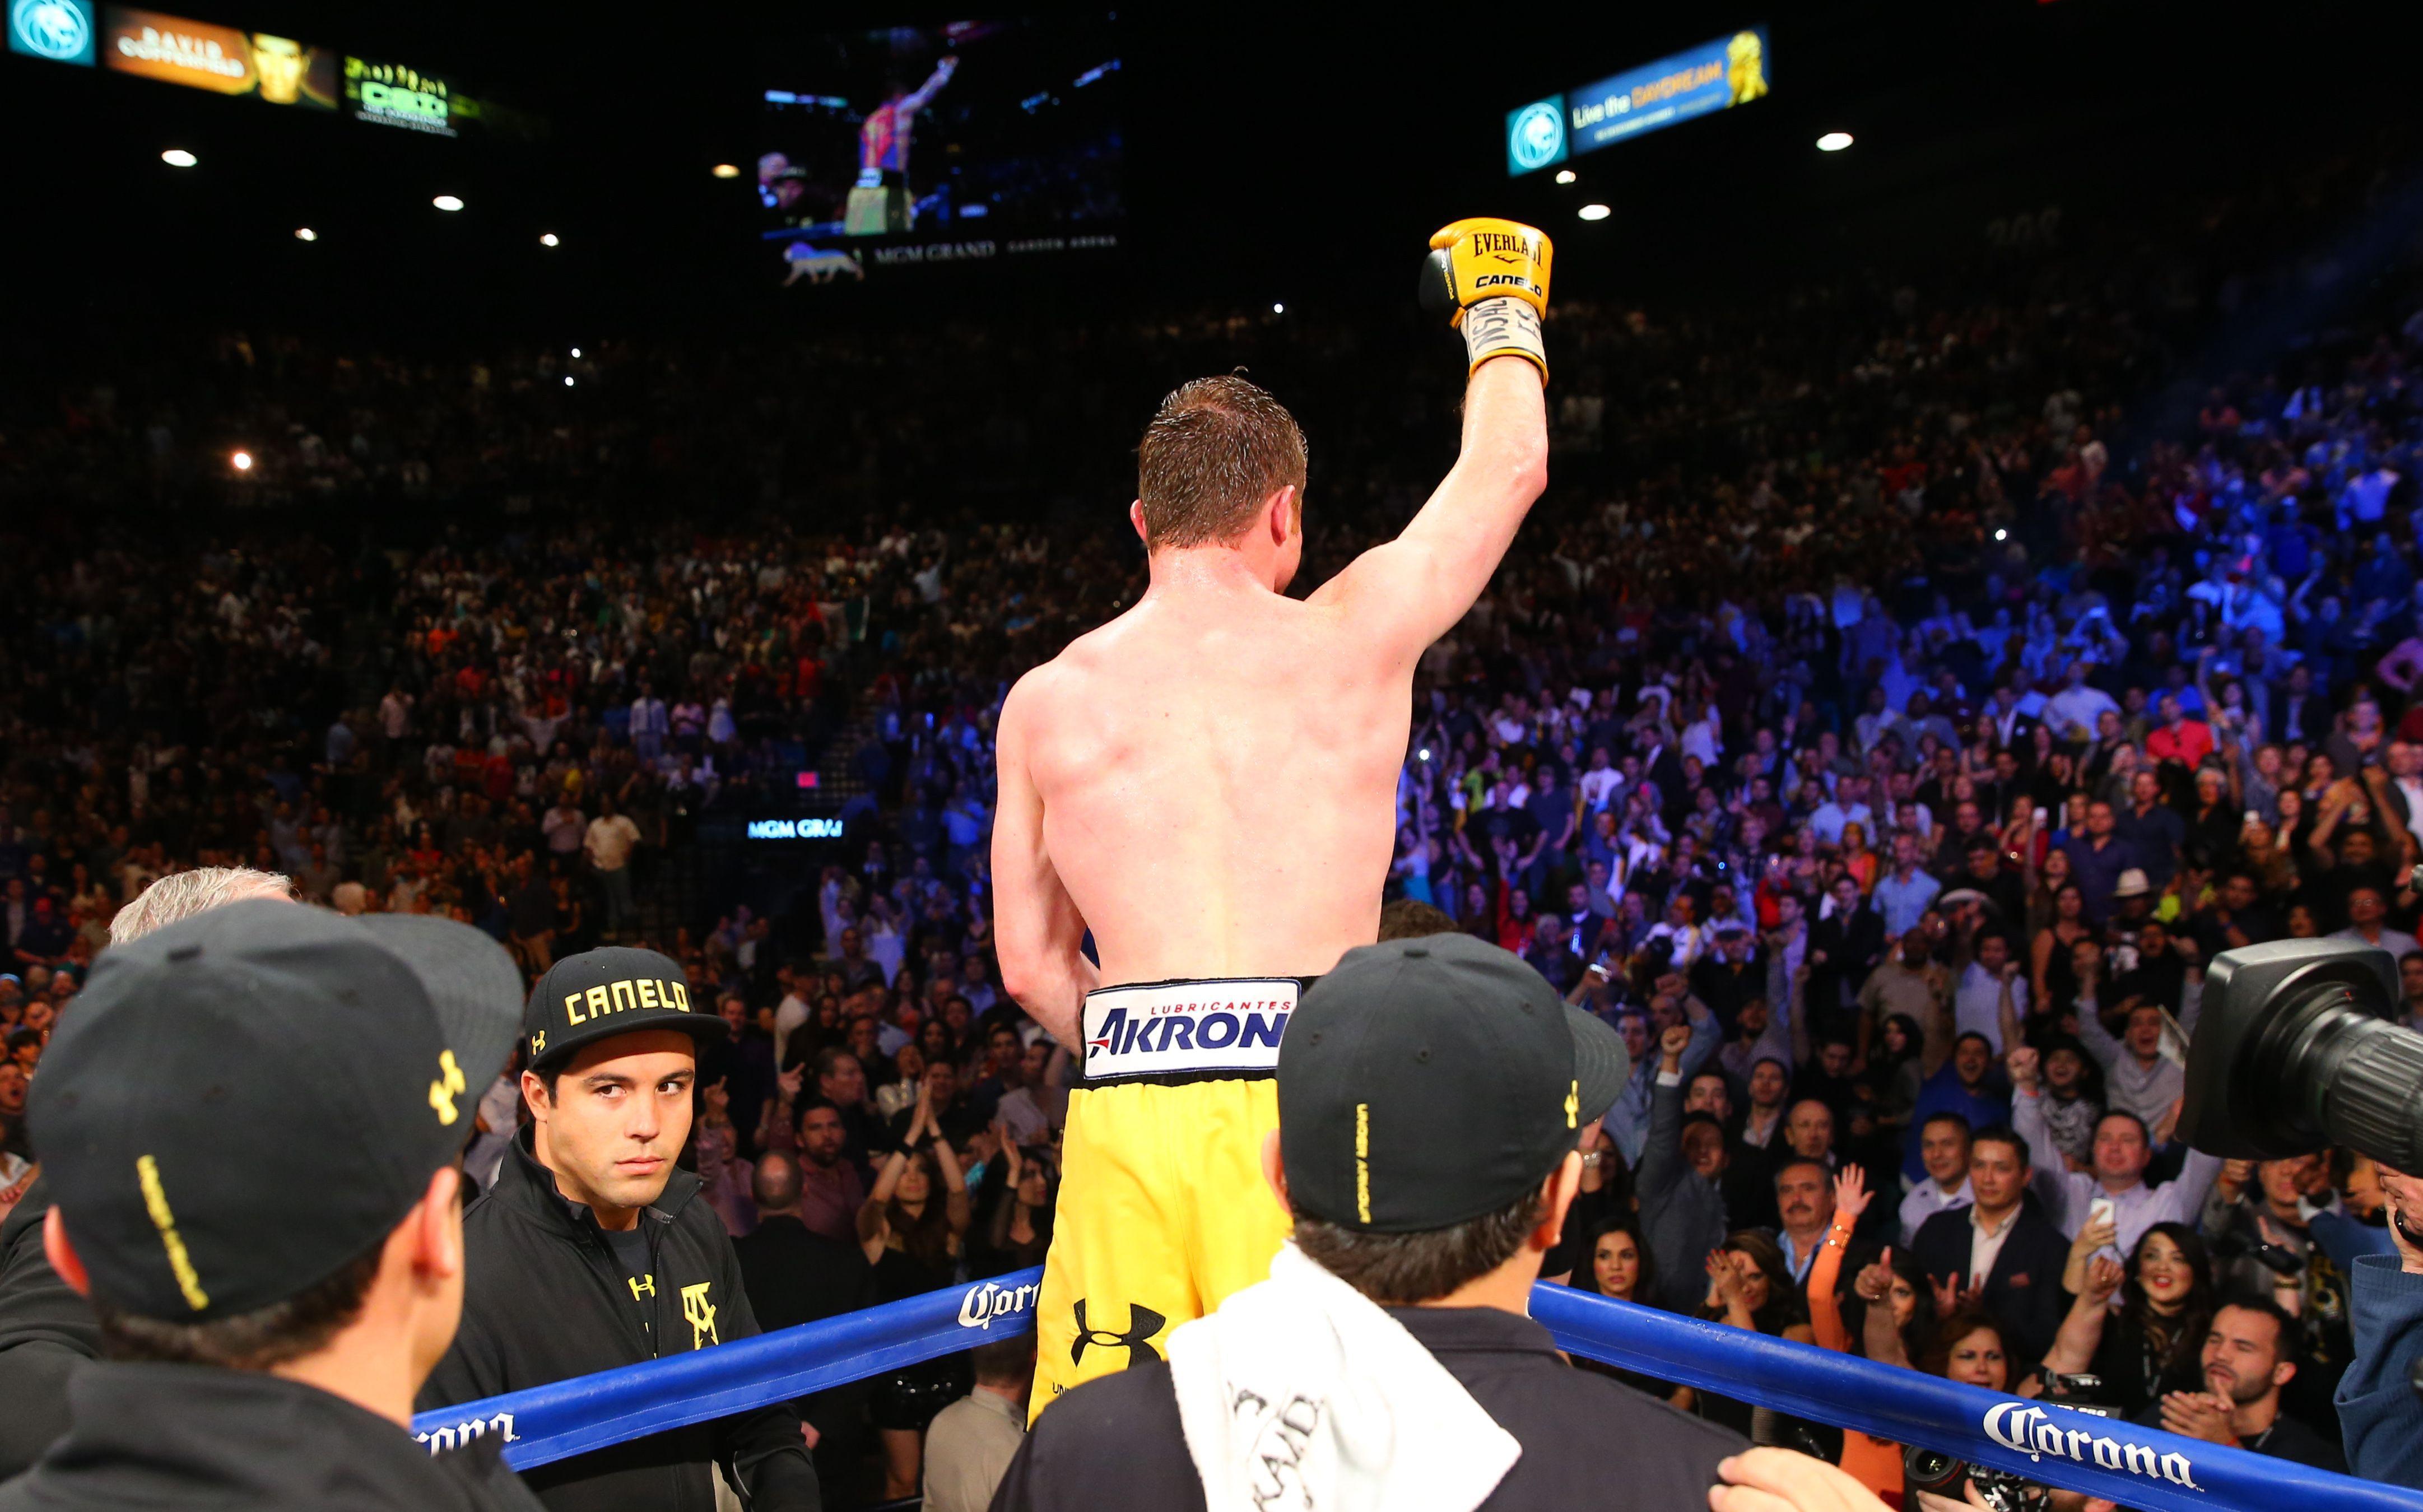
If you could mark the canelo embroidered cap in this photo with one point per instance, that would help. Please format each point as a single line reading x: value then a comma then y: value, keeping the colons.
x: 244, y: 1101
x: 615, y: 990
x: 1430, y: 1081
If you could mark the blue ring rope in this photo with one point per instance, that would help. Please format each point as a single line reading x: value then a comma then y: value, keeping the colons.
x: 2104, y: 1457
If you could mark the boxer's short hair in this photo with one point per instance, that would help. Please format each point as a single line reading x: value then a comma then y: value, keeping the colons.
x: 1216, y: 450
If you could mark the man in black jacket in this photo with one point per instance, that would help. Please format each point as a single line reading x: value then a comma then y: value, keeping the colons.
x: 592, y: 1251
x: 2000, y: 1251
x: 268, y: 1303
x: 795, y: 1275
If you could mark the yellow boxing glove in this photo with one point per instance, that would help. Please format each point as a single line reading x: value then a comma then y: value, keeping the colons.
x: 1490, y: 278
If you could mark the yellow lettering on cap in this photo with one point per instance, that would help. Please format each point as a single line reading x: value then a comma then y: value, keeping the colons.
x: 1573, y: 1107
x: 155, y: 1201
x: 625, y: 998
x: 1362, y: 1161
x: 600, y: 1003
x: 571, y: 1007
x: 647, y: 993
x: 448, y: 1086
x: 681, y: 995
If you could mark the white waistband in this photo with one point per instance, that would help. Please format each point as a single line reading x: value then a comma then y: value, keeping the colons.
x: 1187, y: 1027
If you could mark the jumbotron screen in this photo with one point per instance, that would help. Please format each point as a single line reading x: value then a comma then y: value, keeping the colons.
x: 967, y: 142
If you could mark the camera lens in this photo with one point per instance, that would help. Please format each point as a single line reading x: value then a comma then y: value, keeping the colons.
x: 2296, y: 1050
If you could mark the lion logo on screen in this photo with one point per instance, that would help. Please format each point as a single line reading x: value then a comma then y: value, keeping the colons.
x: 817, y: 265
x: 1746, y: 67
x: 52, y: 29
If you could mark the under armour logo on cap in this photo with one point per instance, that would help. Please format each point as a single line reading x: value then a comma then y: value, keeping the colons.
x: 1143, y: 1323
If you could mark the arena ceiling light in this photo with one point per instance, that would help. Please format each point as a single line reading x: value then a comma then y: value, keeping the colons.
x: 726, y: 171
x: 567, y: 380
x: 304, y: 233
x: 1567, y: 176
x: 1594, y: 212
x: 240, y: 461
x: 176, y: 157
x: 1278, y: 308
x: 575, y: 354
x: 1833, y: 141
x: 448, y: 203
x: 549, y: 239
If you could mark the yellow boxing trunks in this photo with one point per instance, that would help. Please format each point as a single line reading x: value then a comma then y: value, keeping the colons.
x: 1164, y: 1211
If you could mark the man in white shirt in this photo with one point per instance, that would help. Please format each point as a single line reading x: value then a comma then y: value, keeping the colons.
x: 2074, y: 711
x: 1943, y: 1149
x: 2121, y: 1151
x: 608, y: 841
x: 1600, y: 785
x: 1990, y: 986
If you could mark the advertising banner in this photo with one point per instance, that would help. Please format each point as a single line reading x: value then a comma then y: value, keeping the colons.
x: 199, y: 54
x: 390, y: 94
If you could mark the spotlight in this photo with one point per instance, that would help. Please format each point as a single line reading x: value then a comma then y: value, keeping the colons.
x: 1423, y: 754
x: 567, y: 380
x: 176, y: 157
x: 1567, y: 176
x: 2002, y: 535
x: 548, y: 238
x: 304, y: 233
x: 1278, y: 309
x: 1833, y: 141
x: 448, y: 203
x: 726, y: 171
x: 240, y: 461
x: 575, y: 354
x: 1594, y: 212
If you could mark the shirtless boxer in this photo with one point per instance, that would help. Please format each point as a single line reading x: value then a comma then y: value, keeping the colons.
x: 1208, y: 784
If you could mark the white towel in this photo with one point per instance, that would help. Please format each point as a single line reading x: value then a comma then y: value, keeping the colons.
x: 1301, y: 1394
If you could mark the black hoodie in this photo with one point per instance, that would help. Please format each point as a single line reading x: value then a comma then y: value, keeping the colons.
x: 545, y: 1300
x: 178, y: 1436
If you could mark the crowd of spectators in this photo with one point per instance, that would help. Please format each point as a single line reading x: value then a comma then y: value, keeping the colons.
x: 1865, y: 725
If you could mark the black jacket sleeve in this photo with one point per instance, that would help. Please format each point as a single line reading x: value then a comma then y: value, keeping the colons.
x: 762, y: 1452
x: 46, y: 1331
x: 1661, y: 1152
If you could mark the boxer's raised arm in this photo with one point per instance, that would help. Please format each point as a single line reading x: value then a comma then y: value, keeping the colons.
x: 1492, y: 276
x: 1037, y: 928
x: 1411, y: 590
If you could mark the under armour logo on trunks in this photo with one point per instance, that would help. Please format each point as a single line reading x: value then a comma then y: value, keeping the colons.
x: 1143, y: 1323
x: 1156, y: 1029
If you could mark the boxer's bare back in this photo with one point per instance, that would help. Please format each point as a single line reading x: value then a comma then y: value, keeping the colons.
x: 1208, y: 782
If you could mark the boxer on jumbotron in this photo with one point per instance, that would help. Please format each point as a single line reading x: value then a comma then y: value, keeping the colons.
x: 1208, y: 784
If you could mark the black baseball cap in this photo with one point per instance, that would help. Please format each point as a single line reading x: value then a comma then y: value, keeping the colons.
x: 1426, y: 1081
x: 615, y: 990
x: 246, y: 1100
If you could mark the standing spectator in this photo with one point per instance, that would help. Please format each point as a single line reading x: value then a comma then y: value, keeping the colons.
x: 972, y: 1440
x: 794, y: 1274
x: 2137, y: 1078
x: 1943, y: 1154
x: 1997, y: 1251
x: 2122, y: 1150
x: 609, y: 840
